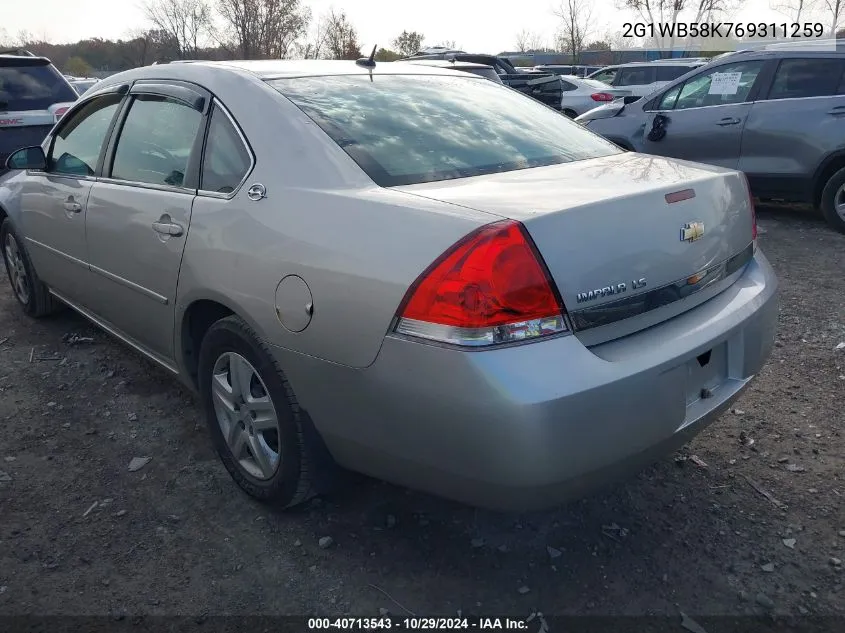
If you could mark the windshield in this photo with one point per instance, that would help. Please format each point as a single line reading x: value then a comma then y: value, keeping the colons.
x: 408, y: 129
x: 31, y: 87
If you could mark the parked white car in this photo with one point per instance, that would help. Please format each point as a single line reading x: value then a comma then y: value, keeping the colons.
x: 582, y: 95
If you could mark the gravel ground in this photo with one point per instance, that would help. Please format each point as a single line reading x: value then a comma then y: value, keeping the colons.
x: 748, y: 519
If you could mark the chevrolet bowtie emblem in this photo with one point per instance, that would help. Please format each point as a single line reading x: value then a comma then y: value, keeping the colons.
x: 692, y: 231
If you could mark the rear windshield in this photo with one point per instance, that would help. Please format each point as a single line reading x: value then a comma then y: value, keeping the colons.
x: 408, y: 129
x: 487, y: 73
x: 30, y: 87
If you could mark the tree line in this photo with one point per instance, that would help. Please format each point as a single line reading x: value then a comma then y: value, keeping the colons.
x: 217, y: 30
x: 273, y: 29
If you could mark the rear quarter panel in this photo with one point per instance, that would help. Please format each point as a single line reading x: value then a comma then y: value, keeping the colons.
x: 357, y: 246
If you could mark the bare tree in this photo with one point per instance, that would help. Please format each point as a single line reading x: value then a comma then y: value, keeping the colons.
x: 187, y: 22
x: 341, y: 37
x: 450, y: 44
x: 793, y: 9
x: 409, y: 43
x: 527, y: 41
x: 263, y: 28
x: 833, y: 9
x: 577, y: 25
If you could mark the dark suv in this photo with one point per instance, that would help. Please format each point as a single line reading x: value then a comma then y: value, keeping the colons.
x: 776, y: 113
x: 33, y: 96
x: 543, y: 86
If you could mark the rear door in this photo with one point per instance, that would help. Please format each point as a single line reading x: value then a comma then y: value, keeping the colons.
x: 796, y: 123
x: 54, y: 202
x: 140, y: 210
x: 704, y: 116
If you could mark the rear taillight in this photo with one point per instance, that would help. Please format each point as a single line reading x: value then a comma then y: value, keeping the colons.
x: 601, y: 96
x: 491, y: 287
x: 59, y: 112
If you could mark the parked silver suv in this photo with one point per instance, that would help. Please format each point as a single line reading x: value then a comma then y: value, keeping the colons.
x: 778, y: 114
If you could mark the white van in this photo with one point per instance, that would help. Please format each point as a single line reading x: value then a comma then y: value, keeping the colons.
x: 643, y: 78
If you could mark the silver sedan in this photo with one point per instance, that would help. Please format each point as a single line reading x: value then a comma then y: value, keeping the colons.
x: 402, y: 270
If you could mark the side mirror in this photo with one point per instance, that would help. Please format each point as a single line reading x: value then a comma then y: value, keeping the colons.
x: 27, y: 158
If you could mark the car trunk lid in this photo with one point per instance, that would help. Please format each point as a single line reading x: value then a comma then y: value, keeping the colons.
x: 629, y: 239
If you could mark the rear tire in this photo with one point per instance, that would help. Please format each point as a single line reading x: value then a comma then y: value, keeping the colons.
x: 833, y: 201
x: 32, y: 295
x: 258, y: 430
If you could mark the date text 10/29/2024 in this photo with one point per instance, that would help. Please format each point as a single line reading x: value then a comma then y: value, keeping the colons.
x: 430, y: 624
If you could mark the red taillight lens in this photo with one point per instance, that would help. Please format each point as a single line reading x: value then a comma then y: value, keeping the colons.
x: 601, y: 96
x: 491, y: 287
x: 60, y: 112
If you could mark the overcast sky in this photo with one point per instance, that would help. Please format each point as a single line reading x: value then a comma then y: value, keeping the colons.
x: 475, y: 25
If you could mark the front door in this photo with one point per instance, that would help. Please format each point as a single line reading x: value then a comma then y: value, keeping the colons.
x: 139, y: 213
x: 54, y: 202
x: 702, y: 119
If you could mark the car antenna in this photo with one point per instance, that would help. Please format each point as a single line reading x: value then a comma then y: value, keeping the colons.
x: 368, y: 62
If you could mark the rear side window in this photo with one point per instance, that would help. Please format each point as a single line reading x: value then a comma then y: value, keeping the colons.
x: 634, y: 76
x: 226, y: 160
x: 29, y: 87
x: 404, y: 130
x: 565, y: 86
x: 155, y: 142
x: 670, y: 73
x: 801, y: 78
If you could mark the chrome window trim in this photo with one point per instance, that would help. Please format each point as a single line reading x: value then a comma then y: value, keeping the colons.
x: 146, y: 185
x: 216, y: 103
x: 641, y: 303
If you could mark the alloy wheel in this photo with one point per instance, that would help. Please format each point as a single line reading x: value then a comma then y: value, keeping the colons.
x: 839, y: 202
x: 246, y: 415
x: 17, y: 270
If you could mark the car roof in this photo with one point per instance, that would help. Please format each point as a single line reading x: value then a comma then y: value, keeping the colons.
x: 281, y: 68
x: 445, y: 63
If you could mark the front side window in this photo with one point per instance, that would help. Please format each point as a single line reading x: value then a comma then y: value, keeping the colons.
x: 635, y: 76
x: 801, y: 78
x: 155, y: 142
x: 667, y: 101
x: 78, y: 143
x: 410, y: 129
x: 606, y: 76
x: 226, y: 160
x: 724, y: 85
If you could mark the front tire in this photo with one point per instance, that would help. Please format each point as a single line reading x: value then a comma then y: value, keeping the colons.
x: 833, y: 201
x: 252, y: 415
x: 32, y: 295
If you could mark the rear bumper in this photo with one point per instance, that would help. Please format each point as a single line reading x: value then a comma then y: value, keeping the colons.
x: 538, y: 424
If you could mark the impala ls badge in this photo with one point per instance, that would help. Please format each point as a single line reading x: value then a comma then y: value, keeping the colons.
x: 609, y: 291
x: 692, y: 231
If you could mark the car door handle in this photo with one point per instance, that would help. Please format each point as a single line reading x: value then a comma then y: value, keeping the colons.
x: 72, y: 207
x: 167, y: 228
x: 728, y: 121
